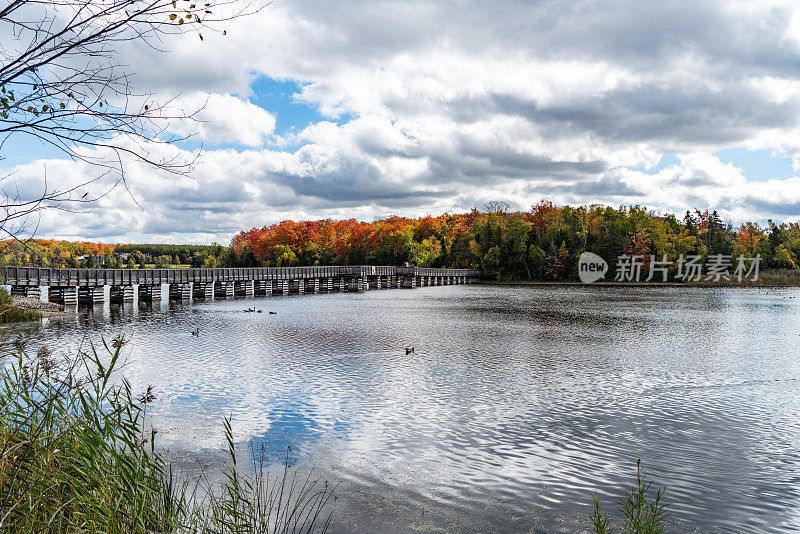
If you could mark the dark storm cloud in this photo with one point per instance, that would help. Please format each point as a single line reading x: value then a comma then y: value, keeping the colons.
x: 352, y: 182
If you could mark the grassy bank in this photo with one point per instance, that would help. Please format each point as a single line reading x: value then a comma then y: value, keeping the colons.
x: 76, y: 456
x: 12, y: 314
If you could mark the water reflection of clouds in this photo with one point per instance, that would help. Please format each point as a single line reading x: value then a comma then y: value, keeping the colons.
x: 292, y: 432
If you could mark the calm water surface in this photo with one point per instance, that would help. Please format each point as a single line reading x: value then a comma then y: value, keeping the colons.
x: 516, y: 403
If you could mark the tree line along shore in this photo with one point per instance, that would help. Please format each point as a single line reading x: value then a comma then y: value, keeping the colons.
x: 542, y: 244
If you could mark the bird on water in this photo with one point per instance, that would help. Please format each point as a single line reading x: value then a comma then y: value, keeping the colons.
x: 196, y: 332
x: 409, y: 350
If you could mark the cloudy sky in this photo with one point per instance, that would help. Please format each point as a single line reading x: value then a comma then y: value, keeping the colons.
x: 368, y: 109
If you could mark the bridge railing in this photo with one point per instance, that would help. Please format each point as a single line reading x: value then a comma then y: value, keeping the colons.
x: 39, y: 276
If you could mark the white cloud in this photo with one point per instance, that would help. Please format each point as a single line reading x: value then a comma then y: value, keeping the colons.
x: 221, y: 119
x: 439, y: 106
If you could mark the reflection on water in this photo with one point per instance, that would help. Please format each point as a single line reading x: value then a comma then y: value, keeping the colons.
x: 516, y: 403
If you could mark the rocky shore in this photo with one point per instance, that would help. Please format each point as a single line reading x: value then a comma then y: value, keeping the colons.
x: 47, y: 309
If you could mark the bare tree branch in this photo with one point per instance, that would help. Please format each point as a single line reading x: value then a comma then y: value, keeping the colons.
x: 62, y: 82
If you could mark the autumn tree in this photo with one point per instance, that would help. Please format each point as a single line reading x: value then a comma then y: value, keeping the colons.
x: 498, y: 207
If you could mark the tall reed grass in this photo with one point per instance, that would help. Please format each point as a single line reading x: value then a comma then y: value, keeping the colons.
x: 11, y: 314
x: 76, y: 457
x: 641, y: 513
x: 18, y: 315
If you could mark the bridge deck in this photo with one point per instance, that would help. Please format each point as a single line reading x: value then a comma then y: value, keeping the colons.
x: 37, y: 276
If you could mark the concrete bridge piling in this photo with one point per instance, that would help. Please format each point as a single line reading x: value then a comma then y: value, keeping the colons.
x: 223, y: 290
x: 149, y: 292
x: 71, y: 286
x: 121, y: 294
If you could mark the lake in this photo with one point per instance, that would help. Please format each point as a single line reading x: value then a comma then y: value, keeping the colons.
x: 515, y: 404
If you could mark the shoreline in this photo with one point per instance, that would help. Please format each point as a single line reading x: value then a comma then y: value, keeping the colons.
x: 632, y: 284
x: 48, y: 310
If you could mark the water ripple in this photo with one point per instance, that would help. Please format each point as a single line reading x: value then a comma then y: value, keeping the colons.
x: 516, y: 403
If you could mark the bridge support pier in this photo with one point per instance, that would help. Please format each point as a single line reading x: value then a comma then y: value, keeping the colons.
x: 262, y: 288
x: 121, y: 294
x: 27, y: 291
x: 223, y: 290
x: 91, y: 294
x: 68, y: 296
x: 315, y: 285
x: 244, y: 288
x: 281, y: 287
x: 203, y: 291
x: 149, y: 292
x: 180, y: 291
x: 355, y: 283
x: 301, y: 285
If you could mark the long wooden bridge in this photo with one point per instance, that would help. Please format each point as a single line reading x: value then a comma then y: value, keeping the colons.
x: 71, y: 286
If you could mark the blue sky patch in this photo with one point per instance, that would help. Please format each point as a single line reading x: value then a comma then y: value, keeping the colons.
x: 22, y: 148
x: 278, y: 98
x: 667, y: 160
x: 757, y: 165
